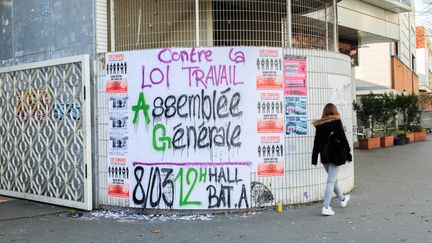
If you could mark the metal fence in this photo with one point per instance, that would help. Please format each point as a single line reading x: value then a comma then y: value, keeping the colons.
x: 45, y: 132
x: 145, y: 24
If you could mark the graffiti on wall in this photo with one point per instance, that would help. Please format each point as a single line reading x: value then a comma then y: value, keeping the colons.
x: 261, y: 195
x: 63, y: 111
x: 181, y: 119
x: 191, y: 185
x: 206, y: 114
x: 32, y: 104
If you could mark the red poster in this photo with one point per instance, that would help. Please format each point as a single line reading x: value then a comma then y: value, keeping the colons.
x: 117, y: 86
x: 270, y: 126
x: 118, y: 190
x: 269, y: 83
x: 295, y: 76
x: 271, y: 152
x: 271, y: 168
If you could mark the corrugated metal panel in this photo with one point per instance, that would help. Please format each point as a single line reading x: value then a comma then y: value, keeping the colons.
x: 101, y: 21
x: 153, y: 24
x: 171, y: 23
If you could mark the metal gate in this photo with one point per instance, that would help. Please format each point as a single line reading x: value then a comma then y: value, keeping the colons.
x: 45, y: 136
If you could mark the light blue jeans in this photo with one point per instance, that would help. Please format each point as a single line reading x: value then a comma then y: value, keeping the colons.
x: 332, y: 184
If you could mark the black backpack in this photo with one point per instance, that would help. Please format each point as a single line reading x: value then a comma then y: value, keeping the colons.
x: 335, y: 151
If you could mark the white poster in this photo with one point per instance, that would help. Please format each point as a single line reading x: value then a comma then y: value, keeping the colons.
x: 189, y: 132
x: 270, y: 122
x: 118, y: 127
x: 341, y: 93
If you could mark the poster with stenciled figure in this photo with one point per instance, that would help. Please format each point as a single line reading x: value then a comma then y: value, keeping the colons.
x: 270, y: 107
x: 116, y: 85
x: 191, y: 125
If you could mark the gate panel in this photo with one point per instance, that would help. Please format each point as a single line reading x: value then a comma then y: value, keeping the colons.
x: 45, y: 136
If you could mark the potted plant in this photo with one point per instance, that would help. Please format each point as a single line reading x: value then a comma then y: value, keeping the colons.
x: 420, y: 135
x: 367, y: 111
x: 388, y: 112
x: 418, y: 131
x: 404, y: 104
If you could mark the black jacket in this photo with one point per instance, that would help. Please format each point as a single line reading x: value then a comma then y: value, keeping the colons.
x: 324, y: 127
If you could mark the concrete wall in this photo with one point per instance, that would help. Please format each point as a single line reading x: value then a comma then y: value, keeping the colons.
x: 407, y: 44
x: 404, y: 80
x: 6, y: 29
x: 36, y: 30
x: 39, y: 30
x: 423, y: 56
x: 368, y: 18
x: 375, y: 66
x: 422, y: 66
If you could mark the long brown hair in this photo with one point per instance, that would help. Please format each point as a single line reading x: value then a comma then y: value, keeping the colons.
x: 330, y: 110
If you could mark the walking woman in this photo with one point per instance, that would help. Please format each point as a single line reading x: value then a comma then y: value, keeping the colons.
x: 332, y: 145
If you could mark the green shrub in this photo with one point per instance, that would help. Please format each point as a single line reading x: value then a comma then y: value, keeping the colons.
x: 407, y: 106
x: 368, y: 110
x: 388, y: 111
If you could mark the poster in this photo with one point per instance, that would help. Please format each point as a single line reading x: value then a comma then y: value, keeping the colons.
x: 341, y: 93
x: 270, y: 119
x: 189, y: 124
x: 296, y: 125
x: 295, y: 105
x: 118, y: 122
x: 295, y: 90
x: 295, y: 76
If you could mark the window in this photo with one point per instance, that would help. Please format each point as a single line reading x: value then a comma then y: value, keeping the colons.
x: 396, y: 48
x: 413, y: 63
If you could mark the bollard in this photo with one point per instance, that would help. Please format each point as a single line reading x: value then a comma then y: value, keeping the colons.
x: 279, y: 207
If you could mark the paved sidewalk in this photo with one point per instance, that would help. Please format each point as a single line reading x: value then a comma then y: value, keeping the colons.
x: 392, y: 202
x: 11, y: 208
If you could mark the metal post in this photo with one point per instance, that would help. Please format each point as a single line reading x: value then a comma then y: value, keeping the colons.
x: 197, y: 34
x: 326, y: 27
x: 139, y: 27
x: 112, y: 22
x: 289, y: 23
x: 335, y: 27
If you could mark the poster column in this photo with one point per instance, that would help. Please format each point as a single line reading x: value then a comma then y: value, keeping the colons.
x: 270, y: 120
x: 118, y: 121
x: 295, y: 95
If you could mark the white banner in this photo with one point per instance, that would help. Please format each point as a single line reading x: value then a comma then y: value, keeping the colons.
x: 191, y: 125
